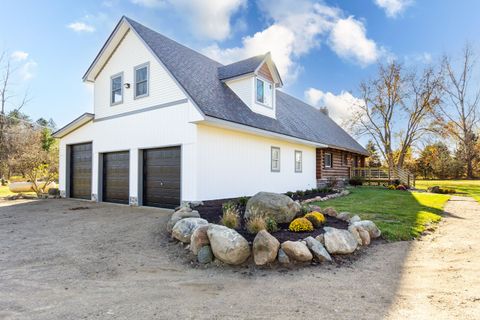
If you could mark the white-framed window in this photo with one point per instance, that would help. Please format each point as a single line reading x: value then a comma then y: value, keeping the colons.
x: 263, y: 92
x: 116, y: 89
x: 298, y: 161
x: 142, y: 80
x: 275, y: 159
x: 327, y: 160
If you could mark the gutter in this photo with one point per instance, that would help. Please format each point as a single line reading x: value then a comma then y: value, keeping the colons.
x: 73, y: 125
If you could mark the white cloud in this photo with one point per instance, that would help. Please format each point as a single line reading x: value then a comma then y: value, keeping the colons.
x: 341, y: 108
x: 295, y: 28
x: 209, y: 19
x: 81, y: 27
x: 19, y: 56
x: 393, y: 8
x: 348, y: 39
x: 27, y: 70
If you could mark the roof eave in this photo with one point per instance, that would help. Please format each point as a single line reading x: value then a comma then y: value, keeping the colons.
x: 74, y: 125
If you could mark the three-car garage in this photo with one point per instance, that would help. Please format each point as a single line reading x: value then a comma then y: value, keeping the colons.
x: 159, y: 175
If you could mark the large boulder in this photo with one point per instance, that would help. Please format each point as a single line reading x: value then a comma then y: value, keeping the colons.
x: 178, y: 215
x: 184, y: 228
x: 277, y: 206
x: 370, y: 227
x: 227, y: 244
x: 265, y: 248
x: 331, y: 212
x: 339, y: 241
x: 317, y: 249
x: 199, y: 239
x: 297, y: 250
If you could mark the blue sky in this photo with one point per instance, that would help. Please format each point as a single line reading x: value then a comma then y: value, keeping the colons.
x: 323, y: 48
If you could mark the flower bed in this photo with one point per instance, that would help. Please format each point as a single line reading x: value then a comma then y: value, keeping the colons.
x: 212, y: 212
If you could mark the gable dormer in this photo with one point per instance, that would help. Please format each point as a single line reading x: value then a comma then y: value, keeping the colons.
x: 254, y: 81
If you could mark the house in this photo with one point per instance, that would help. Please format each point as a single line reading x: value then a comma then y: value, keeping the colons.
x: 172, y: 125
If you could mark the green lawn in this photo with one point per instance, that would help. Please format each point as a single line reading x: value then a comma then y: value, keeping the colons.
x: 469, y: 187
x: 400, y: 215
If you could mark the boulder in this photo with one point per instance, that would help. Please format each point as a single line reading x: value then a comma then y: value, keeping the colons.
x: 345, y: 216
x: 265, y: 248
x: 370, y: 227
x: 320, y: 238
x: 297, y: 250
x: 282, y: 257
x: 184, y: 228
x: 199, y: 239
x: 227, y: 244
x: 180, y: 214
x: 205, y: 255
x: 330, y: 212
x: 360, y: 234
x: 277, y: 206
x: 354, y: 219
x: 317, y: 249
x: 339, y: 241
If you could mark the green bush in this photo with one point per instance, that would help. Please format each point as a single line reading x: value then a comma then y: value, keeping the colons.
x: 271, y: 224
x: 356, y: 181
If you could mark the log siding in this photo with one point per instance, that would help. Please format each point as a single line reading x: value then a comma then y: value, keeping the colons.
x: 339, y: 169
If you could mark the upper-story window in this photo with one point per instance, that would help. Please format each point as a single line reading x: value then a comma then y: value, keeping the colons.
x: 263, y: 93
x: 116, y: 89
x: 141, y: 80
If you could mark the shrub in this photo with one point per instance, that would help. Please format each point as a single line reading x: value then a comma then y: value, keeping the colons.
x: 307, y: 192
x: 356, y: 181
x: 289, y: 194
x: 316, y: 218
x: 300, y: 224
x: 242, y: 201
x: 255, y: 224
x: 396, y: 182
x: 300, y: 193
x: 271, y: 224
x: 401, y: 187
x: 332, y: 182
x: 231, y: 216
x: 304, y: 209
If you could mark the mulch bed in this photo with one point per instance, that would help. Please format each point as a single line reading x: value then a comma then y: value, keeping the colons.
x: 311, y: 195
x: 212, y: 212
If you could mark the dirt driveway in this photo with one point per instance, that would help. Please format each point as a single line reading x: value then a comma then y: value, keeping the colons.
x: 64, y: 259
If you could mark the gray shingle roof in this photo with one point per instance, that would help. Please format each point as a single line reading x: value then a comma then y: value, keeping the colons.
x: 240, y: 67
x: 198, y: 75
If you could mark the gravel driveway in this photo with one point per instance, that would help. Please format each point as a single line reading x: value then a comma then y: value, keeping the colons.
x: 66, y: 259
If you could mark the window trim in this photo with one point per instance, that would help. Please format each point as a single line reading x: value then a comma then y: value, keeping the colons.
x: 271, y: 159
x: 265, y: 82
x: 325, y: 162
x: 345, y: 159
x: 140, y: 66
x: 120, y: 74
x: 295, y: 161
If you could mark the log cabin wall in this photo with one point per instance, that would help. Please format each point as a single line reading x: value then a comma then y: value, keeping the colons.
x: 340, y: 168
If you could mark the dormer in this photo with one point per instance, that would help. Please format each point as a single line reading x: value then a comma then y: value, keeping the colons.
x: 254, y: 81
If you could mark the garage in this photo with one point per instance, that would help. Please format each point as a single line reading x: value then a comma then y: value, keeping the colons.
x: 116, y: 177
x: 81, y: 171
x: 161, y: 177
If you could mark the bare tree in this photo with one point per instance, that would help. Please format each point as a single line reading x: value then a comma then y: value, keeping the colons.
x: 458, y: 117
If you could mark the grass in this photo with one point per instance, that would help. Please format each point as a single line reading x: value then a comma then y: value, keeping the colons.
x: 469, y: 187
x: 400, y: 215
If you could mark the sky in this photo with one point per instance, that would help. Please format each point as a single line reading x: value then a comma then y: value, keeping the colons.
x: 323, y: 49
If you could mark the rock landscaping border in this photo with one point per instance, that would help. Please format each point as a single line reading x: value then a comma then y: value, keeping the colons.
x: 209, y: 241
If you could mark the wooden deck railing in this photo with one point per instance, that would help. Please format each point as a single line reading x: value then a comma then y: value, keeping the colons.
x: 384, y: 174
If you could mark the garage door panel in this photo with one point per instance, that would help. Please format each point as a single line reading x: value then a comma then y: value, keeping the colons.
x: 81, y: 171
x: 161, y: 177
x: 116, y: 177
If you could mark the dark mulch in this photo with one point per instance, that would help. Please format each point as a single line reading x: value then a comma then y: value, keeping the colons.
x: 212, y: 212
x: 322, y: 194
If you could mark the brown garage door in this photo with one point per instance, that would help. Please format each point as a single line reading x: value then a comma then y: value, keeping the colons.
x: 161, y: 177
x: 116, y: 177
x: 81, y: 171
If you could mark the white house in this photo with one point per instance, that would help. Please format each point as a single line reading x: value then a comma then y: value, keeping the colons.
x: 172, y: 125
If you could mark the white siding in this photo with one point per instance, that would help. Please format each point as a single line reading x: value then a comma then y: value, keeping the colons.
x: 233, y: 164
x: 130, y: 53
x: 244, y: 88
x: 151, y: 129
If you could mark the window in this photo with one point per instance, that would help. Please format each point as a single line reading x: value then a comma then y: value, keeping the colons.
x: 345, y: 159
x: 141, y: 80
x: 298, y: 161
x: 275, y: 163
x: 116, y: 89
x: 327, y: 160
x: 263, y: 92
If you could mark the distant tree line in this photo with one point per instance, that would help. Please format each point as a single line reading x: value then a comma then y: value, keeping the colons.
x: 403, y: 108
